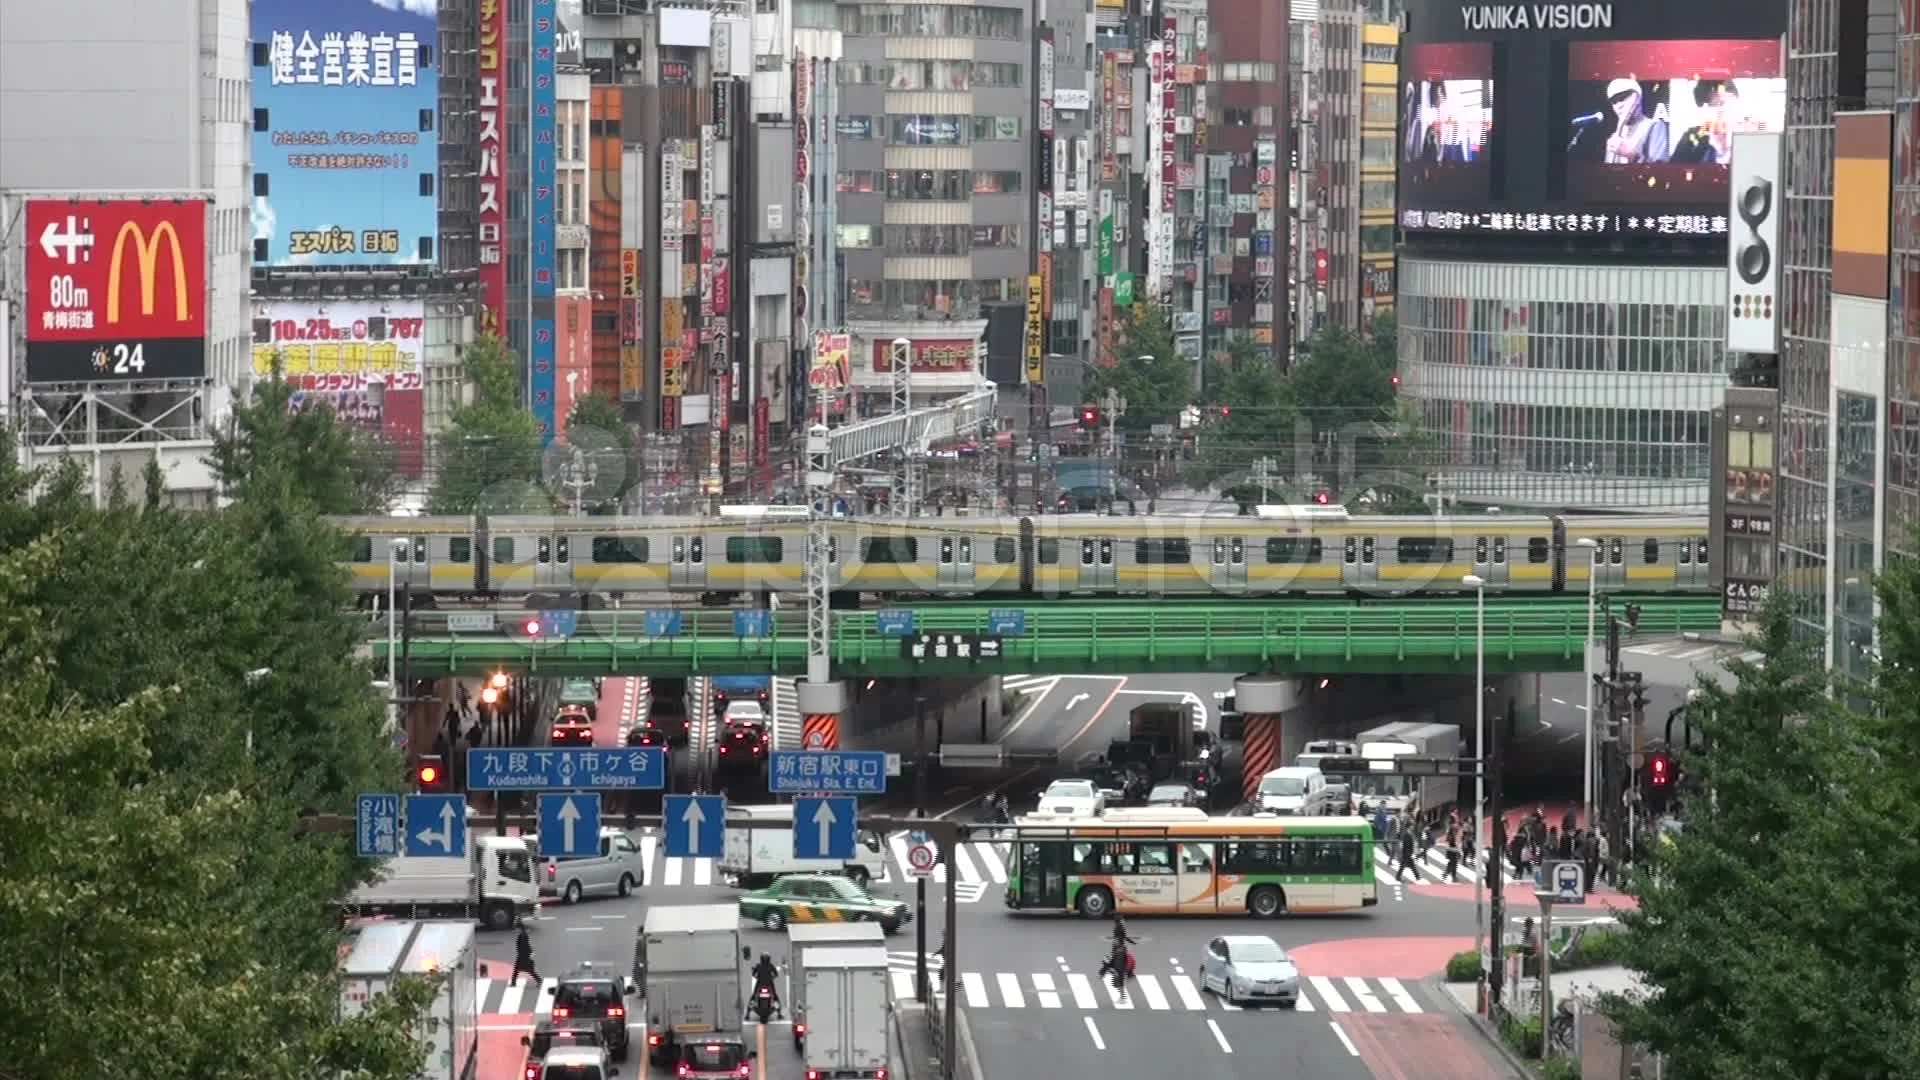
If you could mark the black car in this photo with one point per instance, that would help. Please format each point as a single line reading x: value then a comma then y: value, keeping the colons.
x: 647, y: 735
x: 743, y: 743
x: 588, y: 994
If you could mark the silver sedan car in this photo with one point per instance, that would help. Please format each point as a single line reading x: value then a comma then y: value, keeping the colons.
x: 1249, y: 969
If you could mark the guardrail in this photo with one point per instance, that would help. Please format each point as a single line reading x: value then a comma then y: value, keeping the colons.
x: 913, y: 429
x: 1405, y: 637
x: 990, y: 756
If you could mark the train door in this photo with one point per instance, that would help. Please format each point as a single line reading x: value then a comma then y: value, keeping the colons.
x: 955, y: 570
x: 1097, y: 571
x: 1490, y: 559
x: 1693, y: 570
x: 1610, y: 562
x: 1359, y: 562
x: 561, y: 578
x: 687, y: 557
x: 413, y: 569
x: 545, y: 559
x: 1229, y: 563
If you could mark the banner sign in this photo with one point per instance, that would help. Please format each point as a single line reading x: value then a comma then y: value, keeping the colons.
x: 1036, y: 331
x: 493, y: 167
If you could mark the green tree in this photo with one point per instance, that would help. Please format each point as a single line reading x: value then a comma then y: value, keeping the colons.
x: 1248, y: 416
x: 1153, y: 378
x: 600, y: 433
x: 1340, y: 380
x: 490, y: 456
x: 351, y: 471
x: 1763, y: 929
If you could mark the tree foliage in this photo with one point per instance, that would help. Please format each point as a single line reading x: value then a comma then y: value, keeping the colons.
x: 1248, y: 416
x: 351, y: 472
x: 598, y: 431
x: 178, y: 687
x: 1775, y: 931
x: 1153, y: 378
x: 1340, y: 380
x: 490, y: 455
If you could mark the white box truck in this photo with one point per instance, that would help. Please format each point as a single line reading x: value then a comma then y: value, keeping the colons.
x: 849, y: 1014
x: 688, y: 957
x: 755, y: 856
x: 1430, y: 795
x: 803, y: 938
x: 384, y: 952
x: 493, y: 886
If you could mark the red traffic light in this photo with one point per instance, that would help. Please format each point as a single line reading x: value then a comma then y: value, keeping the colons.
x: 1396, y: 380
x: 1660, y: 770
x: 430, y: 774
x: 1089, y: 416
x: 1322, y: 497
x: 531, y: 627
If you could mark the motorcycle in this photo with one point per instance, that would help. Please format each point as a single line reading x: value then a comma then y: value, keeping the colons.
x: 765, y: 1006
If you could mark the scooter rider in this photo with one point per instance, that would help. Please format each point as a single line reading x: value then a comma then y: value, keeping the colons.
x: 765, y: 975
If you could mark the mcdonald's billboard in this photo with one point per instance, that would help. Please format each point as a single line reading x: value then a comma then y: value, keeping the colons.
x: 116, y: 290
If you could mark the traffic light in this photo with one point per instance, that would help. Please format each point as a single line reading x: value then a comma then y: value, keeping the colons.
x: 1396, y: 381
x: 1089, y: 416
x: 1322, y: 497
x: 531, y: 627
x: 1659, y: 771
x: 430, y: 774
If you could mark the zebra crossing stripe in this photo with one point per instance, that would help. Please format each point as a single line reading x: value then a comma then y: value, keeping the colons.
x: 1150, y: 989
x: 1399, y: 995
x: 1358, y: 988
x: 974, y: 986
x: 1188, y: 993
x: 1324, y: 987
x: 1043, y: 989
x: 1082, y: 989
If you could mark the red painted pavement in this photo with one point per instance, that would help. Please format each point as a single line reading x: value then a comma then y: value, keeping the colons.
x: 1427, y: 1046
x: 501, y: 1055
x: 1599, y: 902
x: 1555, y: 811
x: 1379, y: 958
x: 617, y: 698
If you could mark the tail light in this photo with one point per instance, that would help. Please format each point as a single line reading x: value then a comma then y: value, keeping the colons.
x: 533, y: 1070
x: 799, y: 1029
x: 653, y: 1039
x: 813, y: 1074
x: 745, y: 1070
x: 616, y: 1012
x: 881, y: 1075
x: 724, y: 748
x: 684, y: 1070
x: 552, y: 871
x: 562, y: 1014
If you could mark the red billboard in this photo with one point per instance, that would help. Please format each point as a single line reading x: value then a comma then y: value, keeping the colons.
x: 493, y: 167
x: 116, y: 290
x: 935, y: 356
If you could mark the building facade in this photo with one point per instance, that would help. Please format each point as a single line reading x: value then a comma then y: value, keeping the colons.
x: 1371, y: 282
x: 1250, y: 110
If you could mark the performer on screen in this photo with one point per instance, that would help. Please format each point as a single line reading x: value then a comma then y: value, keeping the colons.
x: 1446, y: 141
x: 1637, y: 138
x: 1710, y: 142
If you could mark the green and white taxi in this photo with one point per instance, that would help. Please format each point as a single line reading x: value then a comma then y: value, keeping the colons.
x: 821, y: 898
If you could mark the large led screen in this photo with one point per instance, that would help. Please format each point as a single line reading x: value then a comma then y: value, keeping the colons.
x: 1652, y: 122
x: 1447, y: 105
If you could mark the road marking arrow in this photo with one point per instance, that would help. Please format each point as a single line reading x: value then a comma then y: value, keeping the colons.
x: 569, y: 816
x: 442, y: 837
x: 1076, y: 699
x: 693, y: 818
x: 824, y: 818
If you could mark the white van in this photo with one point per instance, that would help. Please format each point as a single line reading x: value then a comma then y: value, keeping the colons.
x: 616, y: 870
x: 753, y: 857
x: 1294, y: 790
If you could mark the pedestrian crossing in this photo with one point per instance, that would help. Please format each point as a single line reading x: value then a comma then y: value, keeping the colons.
x: 1162, y: 992
x: 505, y: 997
x: 1027, y: 685
x: 980, y: 866
x: 1431, y: 867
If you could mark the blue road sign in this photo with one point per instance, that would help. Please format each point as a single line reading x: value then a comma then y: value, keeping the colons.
x: 436, y: 826
x: 893, y: 623
x: 835, y: 772
x: 560, y: 622
x: 663, y: 622
x: 752, y: 623
x: 569, y: 825
x: 823, y: 828
x: 1006, y: 620
x: 696, y: 826
x: 637, y: 768
x: 376, y: 820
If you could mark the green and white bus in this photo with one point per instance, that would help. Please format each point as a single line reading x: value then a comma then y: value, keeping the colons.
x: 1184, y: 862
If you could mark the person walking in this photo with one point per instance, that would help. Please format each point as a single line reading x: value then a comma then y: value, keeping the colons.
x: 523, y: 958
x: 1453, y: 852
x: 1406, y: 855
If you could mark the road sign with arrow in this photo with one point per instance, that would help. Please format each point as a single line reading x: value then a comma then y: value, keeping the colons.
x: 436, y: 826
x: 696, y: 826
x: 823, y: 828
x: 570, y: 825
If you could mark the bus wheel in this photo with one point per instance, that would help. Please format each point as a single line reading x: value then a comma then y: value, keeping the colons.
x: 1095, y: 903
x: 1266, y: 902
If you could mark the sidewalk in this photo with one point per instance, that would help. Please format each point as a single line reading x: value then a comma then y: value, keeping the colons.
x: 1586, y: 985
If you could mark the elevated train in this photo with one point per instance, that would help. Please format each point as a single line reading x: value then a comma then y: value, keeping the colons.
x: 1276, y: 551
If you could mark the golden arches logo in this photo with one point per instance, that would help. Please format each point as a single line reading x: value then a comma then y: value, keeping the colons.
x: 147, y: 251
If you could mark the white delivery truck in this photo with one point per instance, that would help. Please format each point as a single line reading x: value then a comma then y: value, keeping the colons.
x: 755, y: 856
x: 849, y: 1014
x: 493, y: 886
x: 803, y: 938
x: 384, y: 952
x: 688, y: 957
x: 1429, y: 795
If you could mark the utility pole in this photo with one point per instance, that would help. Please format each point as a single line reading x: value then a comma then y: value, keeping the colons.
x: 921, y: 985
x: 1115, y: 406
x: 901, y: 496
x: 1622, y: 747
x: 1494, y: 964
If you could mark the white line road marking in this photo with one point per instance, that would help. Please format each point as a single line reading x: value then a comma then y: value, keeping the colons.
x: 1077, y: 699
x: 1335, y: 1003
x: 1303, y: 1003
x: 1399, y: 995
x: 1188, y: 993
x: 671, y: 872
x: 1344, y: 1041
x: 1364, y: 996
x: 974, y: 986
x: 1150, y: 989
x: 1093, y: 1029
x: 1082, y: 989
x: 996, y: 869
x: 703, y: 871
x: 1219, y: 1037
x: 610, y: 917
x: 1010, y: 990
x: 585, y: 929
x: 1043, y: 989
x: 1570, y: 736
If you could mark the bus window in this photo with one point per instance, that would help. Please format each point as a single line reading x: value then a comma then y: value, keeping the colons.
x: 1325, y: 856
x: 1195, y: 859
x: 1249, y: 857
x: 1153, y: 858
x: 1087, y: 859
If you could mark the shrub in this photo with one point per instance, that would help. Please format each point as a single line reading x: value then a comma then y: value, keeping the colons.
x: 1463, y: 967
x: 1560, y: 1068
x: 1521, y: 1034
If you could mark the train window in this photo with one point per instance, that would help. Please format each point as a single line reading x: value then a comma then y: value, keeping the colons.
x: 503, y: 549
x: 833, y: 549
x: 754, y: 549
x: 1366, y: 550
x: 1425, y: 549
x: 891, y: 549
x: 1050, y: 552
x: 543, y: 550
x: 1650, y: 551
x: 1479, y: 549
x: 1539, y: 550
x: 1600, y: 553
x: 1499, y: 550
x: 563, y: 550
x: 946, y: 550
x: 1005, y: 551
x: 360, y: 549
x: 1686, y: 553
x: 1617, y: 551
x: 966, y: 549
x: 1298, y: 549
x: 697, y: 550
x: 1219, y: 551
x: 1106, y: 552
x: 679, y: 549
x: 1351, y: 547
x: 460, y: 549
x: 1699, y: 551
x: 1086, y: 553
x: 619, y: 549
x: 1236, y: 551
x: 420, y: 549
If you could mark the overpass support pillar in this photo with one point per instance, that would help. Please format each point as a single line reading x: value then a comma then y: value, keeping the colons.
x: 1262, y: 700
x: 821, y: 705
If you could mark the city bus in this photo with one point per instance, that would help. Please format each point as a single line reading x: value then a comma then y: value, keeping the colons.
x: 1184, y: 862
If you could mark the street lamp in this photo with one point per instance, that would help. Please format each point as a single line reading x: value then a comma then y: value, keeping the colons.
x: 1480, y: 835
x: 1593, y: 579
x: 396, y: 552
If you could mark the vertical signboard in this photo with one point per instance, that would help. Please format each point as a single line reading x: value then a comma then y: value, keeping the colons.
x: 1753, y: 244
x: 633, y: 374
x: 1169, y: 36
x: 1036, y: 336
x: 545, y: 100
x: 116, y: 290
x: 1746, y: 451
x: 346, y: 147
x: 493, y: 167
x: 1109, y: 86
x: 672, y: 321
x: 1045, y: 176
x: 1159, y: 145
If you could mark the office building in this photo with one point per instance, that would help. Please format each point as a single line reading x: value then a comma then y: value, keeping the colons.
x: 1250, y: 107
x: 1370, y: 283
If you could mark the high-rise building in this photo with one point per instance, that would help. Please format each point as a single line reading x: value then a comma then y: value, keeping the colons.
x: 1371, y: 282
x: 1250, y: 108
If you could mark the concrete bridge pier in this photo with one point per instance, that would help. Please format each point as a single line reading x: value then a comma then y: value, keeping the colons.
x: 1265, y: 701
x: 821, y: 706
